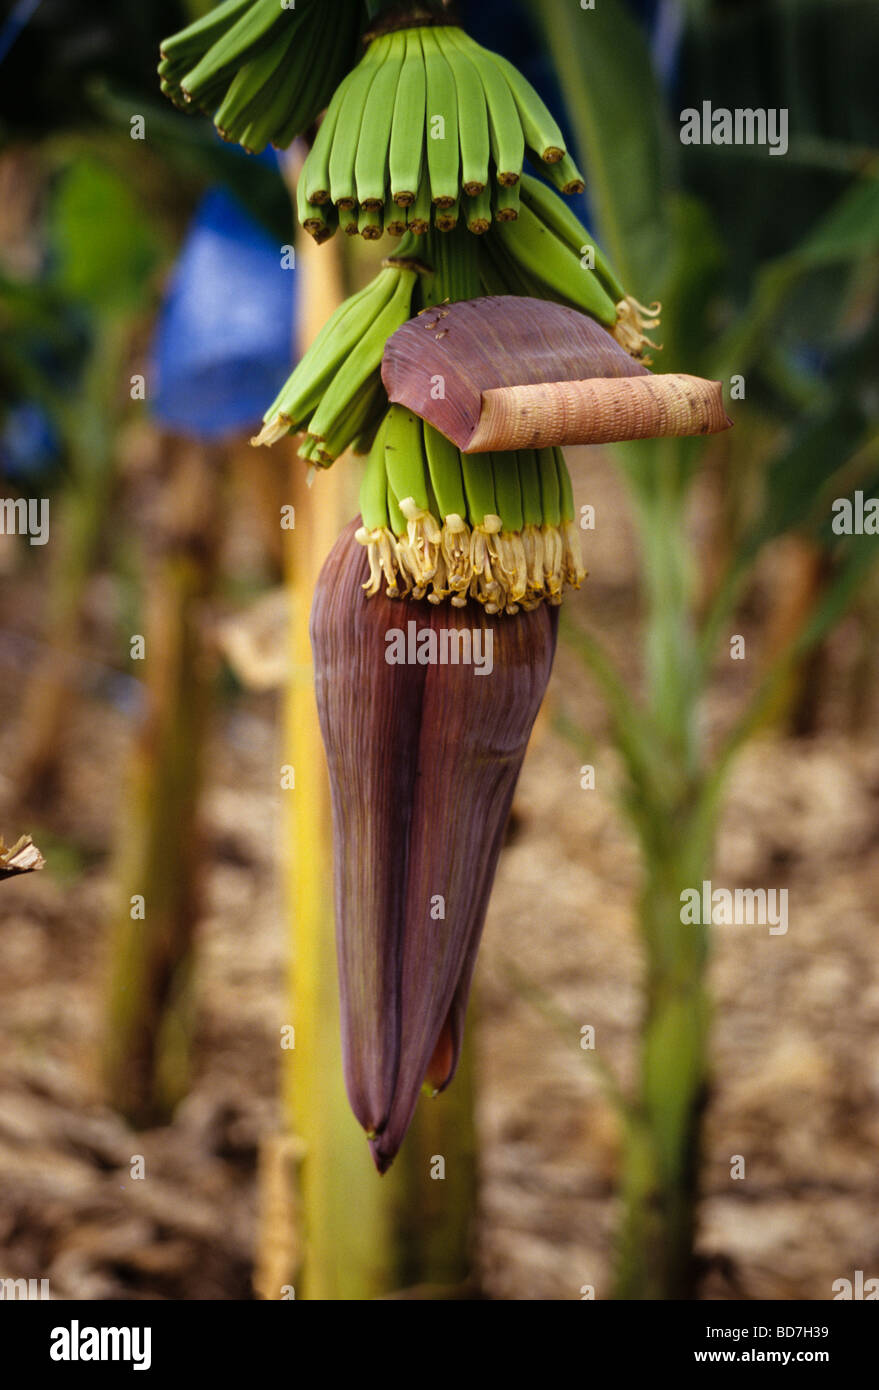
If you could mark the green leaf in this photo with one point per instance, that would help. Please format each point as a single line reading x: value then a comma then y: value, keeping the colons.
x: 849, y: 232
x: 850, y: 229
x: 614, y: 103
x: 693, y: 275
x: 800, y: 480
x: 104, y: 249
x: 193, y: 153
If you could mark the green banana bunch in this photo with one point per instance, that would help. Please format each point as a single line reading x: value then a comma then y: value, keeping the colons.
x: 429, y: 129
x: 551, y: 255
x: 498, y: 528
x: 335, y: 395
x: 262, y: 71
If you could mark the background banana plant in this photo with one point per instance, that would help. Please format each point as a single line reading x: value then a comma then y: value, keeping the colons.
x: 668, y: 244
x: 778, y: 287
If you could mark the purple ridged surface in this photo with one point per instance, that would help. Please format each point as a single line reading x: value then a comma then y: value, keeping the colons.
x: 501, y: 340
x: 423, y: 763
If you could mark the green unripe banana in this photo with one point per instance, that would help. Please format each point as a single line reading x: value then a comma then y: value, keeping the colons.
x: 478, y: 211
x: 479, y: 487
x: 549, y: 487
x: 541, y: 130
x: 405, y: 461
x: 561, y: 219
x: 343, y: 186
x: 506, y: 202
x: 473, y: 132
x: 507, y: 489
x: 441, y: 125
x: 406, y: 150
x: 444, y: 464
x: 507, y: 143
x: 565, y: 176
x: 371, y: 159
x: 374, y: 485
x: 419, y: 214
x: 529, y: 481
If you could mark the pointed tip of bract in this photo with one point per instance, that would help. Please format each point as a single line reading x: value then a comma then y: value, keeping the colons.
x: 381, y: 1159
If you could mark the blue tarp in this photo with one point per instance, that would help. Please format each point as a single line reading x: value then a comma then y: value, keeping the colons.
x: 224, y: 339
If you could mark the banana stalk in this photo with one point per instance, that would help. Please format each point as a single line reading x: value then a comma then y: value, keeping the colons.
x: 146, y: 1050
x: 328, y: 1227
x: 414, y: 860
x: 39, y: 746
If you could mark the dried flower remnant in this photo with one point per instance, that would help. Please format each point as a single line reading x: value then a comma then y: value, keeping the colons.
x: 495, y: 528
x: 21, y: 858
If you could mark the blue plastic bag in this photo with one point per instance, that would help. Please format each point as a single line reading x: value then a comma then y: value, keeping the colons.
x: 224, y: 340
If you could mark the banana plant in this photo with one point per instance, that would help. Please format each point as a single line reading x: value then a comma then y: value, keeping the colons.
x: 664, y: 238
x: 423, y: 141
x: 102, y: 257
x: 464, y: 526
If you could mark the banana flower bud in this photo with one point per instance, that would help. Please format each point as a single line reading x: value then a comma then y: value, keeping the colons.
x: 425, y: 712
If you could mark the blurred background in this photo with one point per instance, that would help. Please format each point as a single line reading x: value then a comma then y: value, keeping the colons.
x: 146, y: 321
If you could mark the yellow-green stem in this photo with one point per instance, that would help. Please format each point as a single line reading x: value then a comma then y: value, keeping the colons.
x: 675, y: 823
x: 148, y: 1033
